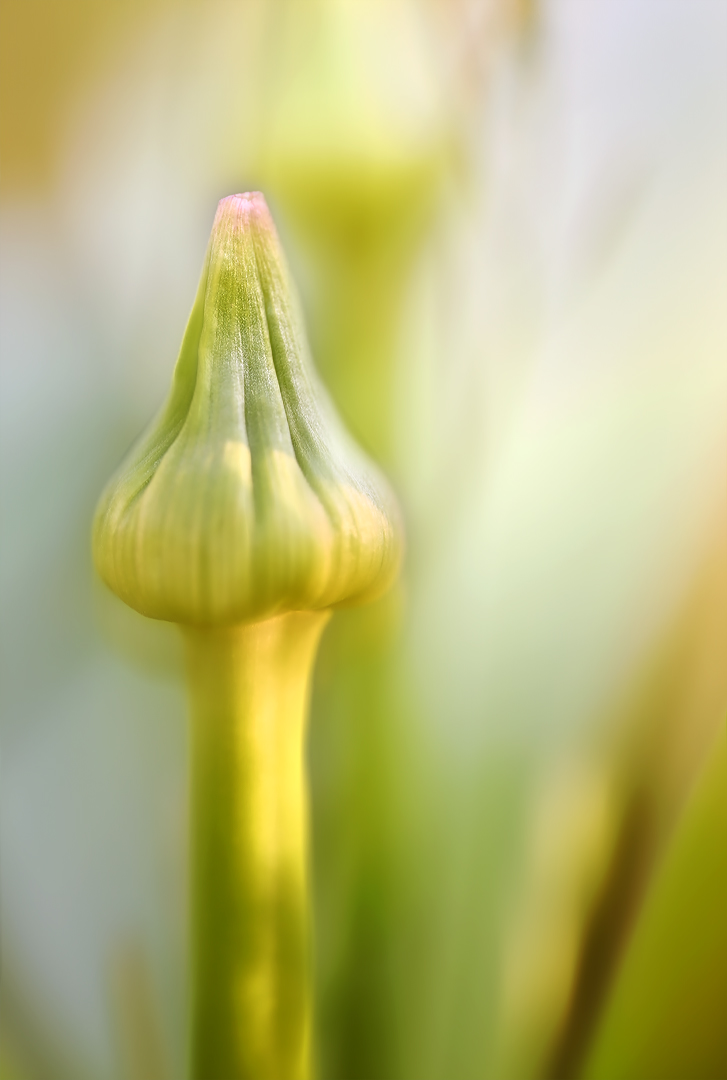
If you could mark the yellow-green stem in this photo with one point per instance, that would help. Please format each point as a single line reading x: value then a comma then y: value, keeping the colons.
x: 250, y: 920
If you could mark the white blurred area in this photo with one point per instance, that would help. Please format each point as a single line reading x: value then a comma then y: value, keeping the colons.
x: 590, y: 375
x: 560, y: 449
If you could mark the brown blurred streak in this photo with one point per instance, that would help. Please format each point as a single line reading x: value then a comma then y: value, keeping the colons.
x: 606, y: 930
x: 136, y: 1014
x: 48, y: 49
x: 669, y: 725
x: 477, y: 29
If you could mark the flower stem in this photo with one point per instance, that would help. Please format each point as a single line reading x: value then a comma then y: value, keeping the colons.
x: 250, y: 921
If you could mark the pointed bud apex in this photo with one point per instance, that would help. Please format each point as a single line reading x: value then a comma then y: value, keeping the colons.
x: 246, y: 497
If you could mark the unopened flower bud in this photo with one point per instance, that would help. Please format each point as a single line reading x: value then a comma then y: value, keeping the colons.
x: 246, y: 498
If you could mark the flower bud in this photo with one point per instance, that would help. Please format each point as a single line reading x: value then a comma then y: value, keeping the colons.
x: 246, y: 498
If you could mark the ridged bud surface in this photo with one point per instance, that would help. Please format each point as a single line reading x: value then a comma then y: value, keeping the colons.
x: 246, y: 497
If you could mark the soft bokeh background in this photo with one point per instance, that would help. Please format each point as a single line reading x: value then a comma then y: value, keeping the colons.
x: 508, y: 222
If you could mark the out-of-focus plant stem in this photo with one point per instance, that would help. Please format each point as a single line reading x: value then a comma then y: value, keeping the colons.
x: 251, y: 1005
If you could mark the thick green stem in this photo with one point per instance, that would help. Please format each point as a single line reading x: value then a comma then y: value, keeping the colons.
x: 251, y: 997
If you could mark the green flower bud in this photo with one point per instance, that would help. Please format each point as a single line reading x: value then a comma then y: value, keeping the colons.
x: 246, y: 498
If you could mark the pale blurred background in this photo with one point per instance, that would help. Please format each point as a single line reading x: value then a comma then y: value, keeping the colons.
x: 508, y: 222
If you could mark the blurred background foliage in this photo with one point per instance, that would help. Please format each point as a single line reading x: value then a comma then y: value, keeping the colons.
x: 508, y: 222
